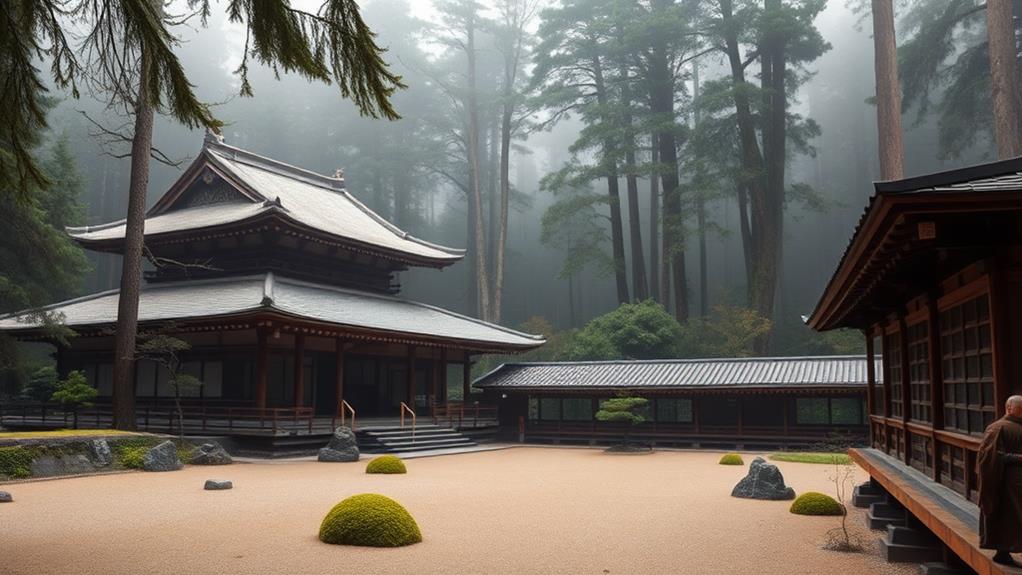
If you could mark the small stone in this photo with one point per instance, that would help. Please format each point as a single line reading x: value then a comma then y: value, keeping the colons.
x: 343, y: 447
x: 100, y: 449
x: 218, y: 484
x: 764, y: 481
x: 211, y: 453
x: 5, y: 497
x: 163, y: 457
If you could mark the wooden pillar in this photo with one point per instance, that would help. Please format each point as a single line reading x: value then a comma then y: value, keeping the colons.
x: 936, y: 381
x: 738, y: 406
x: 262, y: 366
x: 466, y: 377
x: 339, y: 372
x: 434, y: 383
x: 60, y: 355
x: 299, y: 370
x: 787, y: 409
x: 443, y: 375
x: 871, y: 378
x: 410, y: 376
x: 695, y: 414
x: 906, y: 391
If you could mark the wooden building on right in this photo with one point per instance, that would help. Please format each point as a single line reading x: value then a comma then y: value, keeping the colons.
x: 933, y: 277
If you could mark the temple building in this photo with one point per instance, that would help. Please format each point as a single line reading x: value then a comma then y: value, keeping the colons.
x: 932, y: 276
x: 815, y: 402
x: 285, y: 286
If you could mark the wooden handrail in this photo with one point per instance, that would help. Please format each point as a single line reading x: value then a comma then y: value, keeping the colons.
x: 404, y: 408
x: 345, y: 407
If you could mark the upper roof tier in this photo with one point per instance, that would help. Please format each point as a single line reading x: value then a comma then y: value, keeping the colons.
x: 230, y: 188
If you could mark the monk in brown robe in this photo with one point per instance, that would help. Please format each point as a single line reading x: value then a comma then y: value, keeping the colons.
x: 999, y: 467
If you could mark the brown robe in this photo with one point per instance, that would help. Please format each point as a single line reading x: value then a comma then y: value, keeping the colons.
x: 1000, y: 486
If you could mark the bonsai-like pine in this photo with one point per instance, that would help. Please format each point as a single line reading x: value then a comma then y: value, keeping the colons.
x: 624, y: 410
x: 74, y: 392
x: 387, y: 464
x: 813, y: 503
x: 369, y: 520
x: 166, y: 350
x: 732, y: 459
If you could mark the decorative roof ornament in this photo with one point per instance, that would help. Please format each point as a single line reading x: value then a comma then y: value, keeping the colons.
x: 213, y: 136
x: 339, y: 174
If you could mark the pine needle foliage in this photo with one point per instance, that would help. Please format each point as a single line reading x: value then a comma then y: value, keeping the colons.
x: 331, y: 45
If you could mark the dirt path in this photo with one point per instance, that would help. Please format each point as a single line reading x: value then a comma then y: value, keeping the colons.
x: 522, y: 511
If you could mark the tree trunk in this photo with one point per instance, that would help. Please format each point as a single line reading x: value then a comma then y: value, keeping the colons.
x: 131, y: 270
x: 610, y: 168
x: 700, y: 210
x: 662, y: 105
x: 1004, y: 78
x: 654, y: 225
x: 888, y: 91
x: 505, y: 206
x: 640, y: 288
x: 482, y: 275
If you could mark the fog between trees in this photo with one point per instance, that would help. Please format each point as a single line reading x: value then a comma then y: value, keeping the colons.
x: 418, y: 172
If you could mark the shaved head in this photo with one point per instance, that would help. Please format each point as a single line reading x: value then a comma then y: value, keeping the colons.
x: 1014, y: 406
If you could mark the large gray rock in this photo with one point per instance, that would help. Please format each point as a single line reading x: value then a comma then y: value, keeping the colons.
x: 764, y: 481
x: 211, y: 453
x: 218, y: 484
x: 163, y: 457
x: 343, y: 447
x: 5, y: 497
x: 69, y: 464
x: 100, y: 450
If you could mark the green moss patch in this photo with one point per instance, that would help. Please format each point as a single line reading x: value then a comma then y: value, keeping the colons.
x: 825, y: 458
x: 369, y: 520
x: 732, y: 459
x: 16, y: 462
x: 813, y: 503
x: 387, y: 464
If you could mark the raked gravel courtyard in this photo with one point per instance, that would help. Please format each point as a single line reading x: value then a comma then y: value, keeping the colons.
x: 528, y: 510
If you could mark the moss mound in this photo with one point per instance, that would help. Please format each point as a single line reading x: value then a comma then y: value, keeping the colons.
x: 15, y: 462
x: 813, y: 503
x: 369, y: 520
x: 732, y: 459
x: 386, y: 464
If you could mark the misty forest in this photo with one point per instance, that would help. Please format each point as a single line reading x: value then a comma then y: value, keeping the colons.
x: 630, y: 179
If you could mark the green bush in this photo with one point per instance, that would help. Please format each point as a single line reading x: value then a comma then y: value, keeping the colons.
x: 131, y: 456
x: 823, y: 458
x: 16, y: 462
x: 369, y: 520
x: 813, y: 503
x: 386, y: 464
x: 732, y: 459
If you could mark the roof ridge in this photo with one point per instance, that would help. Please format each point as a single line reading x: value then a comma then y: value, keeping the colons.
x: 273, y: 165
x: 852, y: 357
x: 285, y: 279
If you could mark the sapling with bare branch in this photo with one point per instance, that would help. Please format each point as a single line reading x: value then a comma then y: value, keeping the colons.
x: 165, y: 350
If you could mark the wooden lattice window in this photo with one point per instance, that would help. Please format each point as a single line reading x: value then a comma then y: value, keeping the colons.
x: 919, y: 372
x: 921, y: 453
x: 967, y: 365
x: 953, y: 467
x: 893, y: 360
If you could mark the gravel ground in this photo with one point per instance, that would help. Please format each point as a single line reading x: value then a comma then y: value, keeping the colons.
x: 522, y: 511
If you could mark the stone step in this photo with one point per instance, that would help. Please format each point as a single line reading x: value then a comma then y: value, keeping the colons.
x: 880, y: 515
x: 866, y: 494
x: 896, y: 553
x: 423, y: 432
x: 437, y: 442
x: 428, y: 448
x: 901, y: 535
x: 940, y: 568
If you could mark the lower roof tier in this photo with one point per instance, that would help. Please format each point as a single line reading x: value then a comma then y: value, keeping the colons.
x: 268, y: 296
x: 665, y: 374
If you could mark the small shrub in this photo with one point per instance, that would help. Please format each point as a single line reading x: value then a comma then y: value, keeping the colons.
x: 369, y: 520
x: 813, y: 503
x: 16, y: 462
x: 732, y: 459
x: 131, y: 456
x: 386, y: 464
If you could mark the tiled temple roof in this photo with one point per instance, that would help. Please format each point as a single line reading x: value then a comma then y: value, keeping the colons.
x: 799, y: 372
x: 203, y: 300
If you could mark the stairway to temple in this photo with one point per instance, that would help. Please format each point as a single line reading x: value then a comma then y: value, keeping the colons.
x: 395, y: 439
